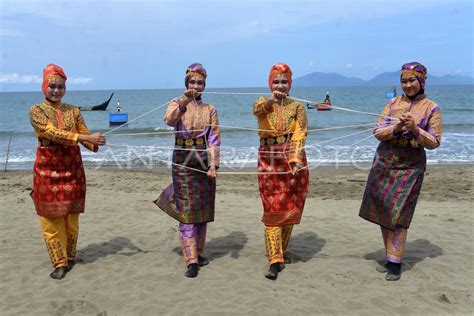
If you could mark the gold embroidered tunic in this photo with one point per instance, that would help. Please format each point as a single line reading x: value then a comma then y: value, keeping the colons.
x: 59, y: 124
x: 287, y: 118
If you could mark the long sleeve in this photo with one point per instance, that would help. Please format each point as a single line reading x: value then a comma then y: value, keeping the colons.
x: 214, y: 140
x: 298, y: 139
x: 44, y: 128
x: 259, y: 109
x: 431, y: 137
x: 173, y: 114
x: 82, y: 129
x: 384, y: 128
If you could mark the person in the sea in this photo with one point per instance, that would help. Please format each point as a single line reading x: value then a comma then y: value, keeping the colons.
x: 59, y: 182
x: 190, y: 199
x: 284, y: 177
x: 328, y: 98
x: 118, y: 108
x: 397, y: 172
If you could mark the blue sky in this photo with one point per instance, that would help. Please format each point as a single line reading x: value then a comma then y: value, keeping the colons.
x: 148, y: 44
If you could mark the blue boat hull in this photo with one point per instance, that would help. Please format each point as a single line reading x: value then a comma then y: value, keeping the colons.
x: 118, y: 118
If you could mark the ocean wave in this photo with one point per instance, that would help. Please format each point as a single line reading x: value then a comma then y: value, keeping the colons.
x: 458, y: 125
x: 458, y: 134
x: 459, y: 110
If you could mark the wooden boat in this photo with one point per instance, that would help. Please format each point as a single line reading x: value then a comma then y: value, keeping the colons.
x: 322, y: 106
x: 100, y: 107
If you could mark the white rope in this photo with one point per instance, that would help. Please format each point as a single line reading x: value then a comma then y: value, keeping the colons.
x: 307, y: 101
x: 349, y: 146
x: 140, y: 116
x: 345, y: 136
x: 159, y: 133
x: 223, y: 172
x: 348, y: 110
x: 258, y: 151
x: 244, y: 128
x: 155, y: 147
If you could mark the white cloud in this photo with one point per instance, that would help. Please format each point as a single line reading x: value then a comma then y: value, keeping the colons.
x: 16, y: 78
x: 80, y: 80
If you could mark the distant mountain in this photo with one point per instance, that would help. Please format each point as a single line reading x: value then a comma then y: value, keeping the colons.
x: 384, y: 79
x: 327, y: 79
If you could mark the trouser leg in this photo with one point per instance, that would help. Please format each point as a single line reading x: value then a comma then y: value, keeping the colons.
x: 286, y: 235
x: 201, y: 237
x: 72, y: 231
x: 187, y: 236
x: 274, y: 244
x: 54, y: 234
x: 395, y: 243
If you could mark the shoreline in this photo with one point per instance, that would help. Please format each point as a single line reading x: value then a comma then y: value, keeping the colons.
x: 160, y: 168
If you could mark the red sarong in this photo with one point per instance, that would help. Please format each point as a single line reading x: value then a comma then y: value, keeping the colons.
x: 59, y: 183
x: 283, y: 195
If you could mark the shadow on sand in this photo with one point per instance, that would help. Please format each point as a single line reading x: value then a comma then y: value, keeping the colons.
x: 115, y: 246
x: 221, y: 246
x: 415, y: 252
x: 304, y: 247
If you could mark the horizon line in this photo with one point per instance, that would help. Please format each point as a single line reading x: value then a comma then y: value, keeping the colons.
x: 236, y: 87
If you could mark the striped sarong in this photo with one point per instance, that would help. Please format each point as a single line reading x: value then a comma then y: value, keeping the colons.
x: 393, y: 185
x: 190, y: 199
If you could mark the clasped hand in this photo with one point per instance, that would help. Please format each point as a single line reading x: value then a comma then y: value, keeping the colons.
x: 191, y: 94
x: 407, y: 123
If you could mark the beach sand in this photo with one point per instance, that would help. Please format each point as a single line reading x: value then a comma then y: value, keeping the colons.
x: 129, y: 260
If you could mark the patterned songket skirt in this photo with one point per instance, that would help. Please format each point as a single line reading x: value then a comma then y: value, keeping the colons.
x: 283, y: 195
x: 190, y: 199
x: 59, y: 183
x: 393, y: 185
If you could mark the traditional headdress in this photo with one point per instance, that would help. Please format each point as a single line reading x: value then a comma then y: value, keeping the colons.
x: 416, y: 69
x: 279, y: 69
x: 195, y: 69
x: 50, y: 72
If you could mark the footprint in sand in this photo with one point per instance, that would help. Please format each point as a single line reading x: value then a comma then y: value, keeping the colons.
x: 75, y: 306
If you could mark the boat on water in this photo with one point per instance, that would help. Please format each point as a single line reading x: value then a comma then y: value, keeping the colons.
x: 392, y: 94
x: 118, y: 117
x: 99, y: 107
x: 321, y: 106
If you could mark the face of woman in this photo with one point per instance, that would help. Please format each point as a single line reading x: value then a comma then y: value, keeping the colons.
x: 56, y: 89
x: 280, y: 83
x: 410, y: 85
x: 196, y: 83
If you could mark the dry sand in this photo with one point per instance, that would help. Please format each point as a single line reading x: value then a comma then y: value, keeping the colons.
x: 130, y: 261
